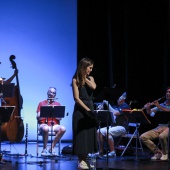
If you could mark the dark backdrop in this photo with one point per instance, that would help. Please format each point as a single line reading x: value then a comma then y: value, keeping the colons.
x: 129, y: 43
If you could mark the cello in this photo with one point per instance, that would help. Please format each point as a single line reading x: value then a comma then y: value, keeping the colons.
x: 13, y: 130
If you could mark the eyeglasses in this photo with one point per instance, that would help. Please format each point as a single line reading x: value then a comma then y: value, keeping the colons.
x: 168, y: 92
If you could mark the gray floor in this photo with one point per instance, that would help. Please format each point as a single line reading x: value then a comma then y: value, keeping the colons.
x: 17, y: 157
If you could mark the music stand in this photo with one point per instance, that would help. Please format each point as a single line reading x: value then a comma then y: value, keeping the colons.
x: 7, y: 89
x: 107, y: 94
x: 5, y: 114
x: 101, y: 116
x: 138, y: 117
x: 52, y: 112
x: 104, y: 116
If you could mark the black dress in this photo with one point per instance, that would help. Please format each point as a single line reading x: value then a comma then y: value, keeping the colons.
x: 84, y: 126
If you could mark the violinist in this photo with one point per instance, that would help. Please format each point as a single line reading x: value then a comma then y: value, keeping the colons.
x: 45, y: 124
x: 160, y: 132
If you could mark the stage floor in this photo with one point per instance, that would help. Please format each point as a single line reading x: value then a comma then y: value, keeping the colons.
x: 15, y: 158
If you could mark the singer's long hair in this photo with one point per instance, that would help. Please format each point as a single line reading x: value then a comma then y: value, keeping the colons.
x: 81, y: 71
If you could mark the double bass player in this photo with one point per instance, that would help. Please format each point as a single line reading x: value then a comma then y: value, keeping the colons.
x: 13, y: 130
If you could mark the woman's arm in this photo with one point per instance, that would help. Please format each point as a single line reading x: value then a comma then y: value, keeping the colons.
x: 156, y: 103
x: 11, y: 78
x: 90, y: 82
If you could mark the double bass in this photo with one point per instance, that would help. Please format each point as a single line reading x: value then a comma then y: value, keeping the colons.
x: 13, y: 130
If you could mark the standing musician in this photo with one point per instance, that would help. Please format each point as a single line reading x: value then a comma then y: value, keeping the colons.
x: 160, y: 132
x: 45, y: 124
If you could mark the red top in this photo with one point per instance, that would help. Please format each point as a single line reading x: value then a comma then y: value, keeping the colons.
x: 47, y: 120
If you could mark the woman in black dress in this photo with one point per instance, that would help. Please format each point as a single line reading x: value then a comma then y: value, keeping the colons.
x: 84, y: 126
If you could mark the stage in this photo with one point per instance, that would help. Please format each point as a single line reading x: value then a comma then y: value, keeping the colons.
x: 15, y: 158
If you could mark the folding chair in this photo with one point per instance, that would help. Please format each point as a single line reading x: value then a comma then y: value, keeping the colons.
x: 130, y: 136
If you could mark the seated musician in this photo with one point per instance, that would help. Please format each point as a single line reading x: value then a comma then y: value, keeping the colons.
x: 160, y: 132
x: 46, y: 123
x: 118, y: 128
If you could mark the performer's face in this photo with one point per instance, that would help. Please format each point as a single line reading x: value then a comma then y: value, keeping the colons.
x: 51, y: 93
x: 89, y: 69
x: 168, y: 94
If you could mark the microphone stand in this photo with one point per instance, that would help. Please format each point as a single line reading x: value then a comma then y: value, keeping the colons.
x: 107, y: 133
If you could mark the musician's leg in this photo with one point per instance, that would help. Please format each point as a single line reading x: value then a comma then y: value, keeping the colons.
x: 44, y: 128
x: 148, y: 137
x: 115, y: 132
x: 163, y: 140
x: 111, y: 143
x: 100, y: 139
x: 59, y: 130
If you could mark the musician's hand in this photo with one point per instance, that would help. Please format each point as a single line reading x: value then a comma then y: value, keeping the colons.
x: 156, y: 103
x: 100, y: 107
x: 147, y: 105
